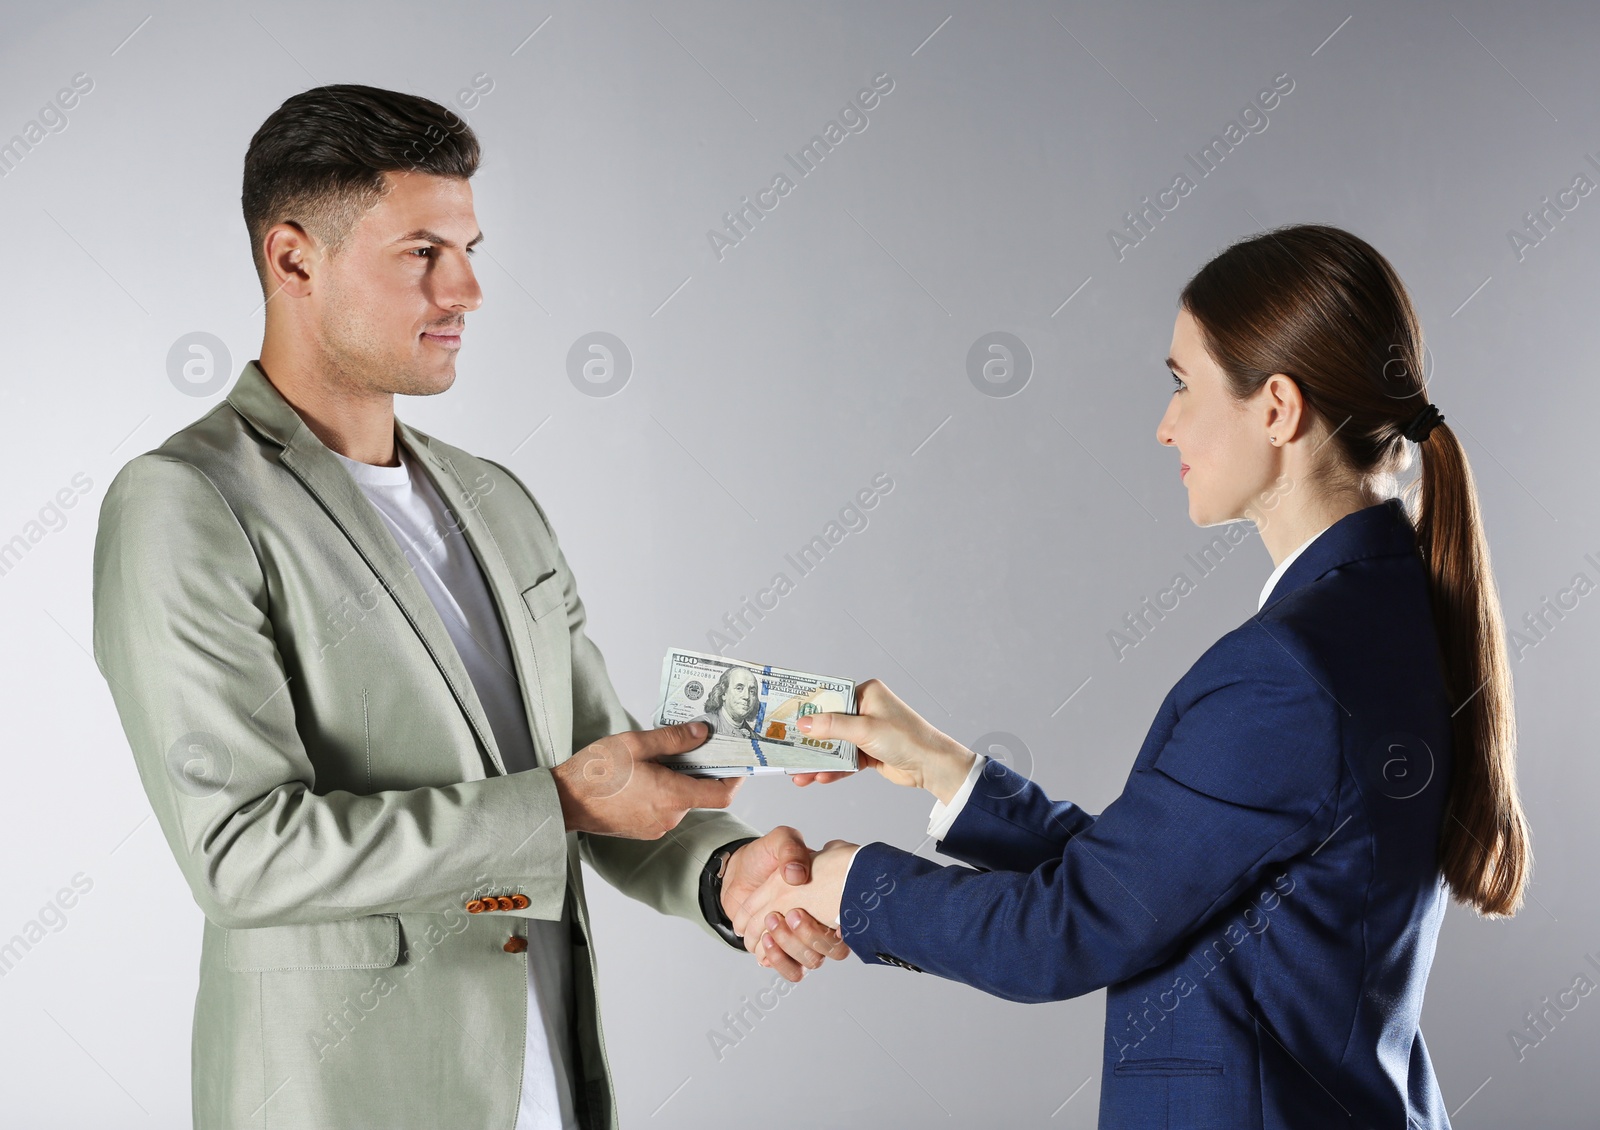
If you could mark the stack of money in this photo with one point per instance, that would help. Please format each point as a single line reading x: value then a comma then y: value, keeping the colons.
x: 752, y: 710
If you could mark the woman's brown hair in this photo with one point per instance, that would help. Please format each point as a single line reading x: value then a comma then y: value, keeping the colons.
x: 1324, y: 308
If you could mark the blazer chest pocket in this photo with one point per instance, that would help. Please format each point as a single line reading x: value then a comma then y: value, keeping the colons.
x: 369, y: 942
x: 544, y: 596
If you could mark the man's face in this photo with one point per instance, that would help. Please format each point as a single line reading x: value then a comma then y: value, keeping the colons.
x: 740, y: 700
x: 389, y: 308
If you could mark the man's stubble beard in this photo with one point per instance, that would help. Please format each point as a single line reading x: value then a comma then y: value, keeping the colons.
x: 356, y: 359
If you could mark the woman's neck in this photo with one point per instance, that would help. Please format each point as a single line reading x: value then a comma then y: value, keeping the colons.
x: 1290, y: 527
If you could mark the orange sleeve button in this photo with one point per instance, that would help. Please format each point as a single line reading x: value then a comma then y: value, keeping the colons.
x: 475, y: 906
x: 519, y: 902
x: 504, y: 902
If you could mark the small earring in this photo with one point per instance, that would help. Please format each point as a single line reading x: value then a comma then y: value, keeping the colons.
x: 1272, y: 439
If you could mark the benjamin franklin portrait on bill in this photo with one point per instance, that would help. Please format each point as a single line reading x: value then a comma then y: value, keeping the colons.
x: 732, y: 704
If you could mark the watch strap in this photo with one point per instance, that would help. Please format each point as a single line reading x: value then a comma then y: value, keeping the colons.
x: 711, y: 891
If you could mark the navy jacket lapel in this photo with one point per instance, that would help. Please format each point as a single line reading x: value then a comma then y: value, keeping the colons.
x: 1382, y: 530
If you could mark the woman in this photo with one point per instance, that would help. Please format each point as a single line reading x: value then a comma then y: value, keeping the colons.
x: 1264, y: 897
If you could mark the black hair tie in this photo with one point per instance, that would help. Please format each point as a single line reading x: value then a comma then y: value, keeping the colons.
x: 1424, y: 422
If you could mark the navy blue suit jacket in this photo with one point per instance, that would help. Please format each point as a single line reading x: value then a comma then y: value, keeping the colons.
x: 1262, y: 900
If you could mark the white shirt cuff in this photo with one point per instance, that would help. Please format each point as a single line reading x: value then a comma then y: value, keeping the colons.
x: 845, y: 887
x: 944, y: 815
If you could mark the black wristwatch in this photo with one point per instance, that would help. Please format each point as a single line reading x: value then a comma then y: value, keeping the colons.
x: 711, y: 891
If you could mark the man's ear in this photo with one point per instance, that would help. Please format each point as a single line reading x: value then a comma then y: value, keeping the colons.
x: 291, y: 253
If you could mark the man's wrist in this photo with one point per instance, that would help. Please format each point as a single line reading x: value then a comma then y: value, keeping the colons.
x: 711, y: 877
x: 572, y: 810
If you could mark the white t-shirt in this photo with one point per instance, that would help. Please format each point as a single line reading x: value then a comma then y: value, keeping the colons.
x: 433, y: 540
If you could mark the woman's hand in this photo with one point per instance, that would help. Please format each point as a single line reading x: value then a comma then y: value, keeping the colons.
x: 777, y: 902
x: 796, y: 942
x: 893, y: 739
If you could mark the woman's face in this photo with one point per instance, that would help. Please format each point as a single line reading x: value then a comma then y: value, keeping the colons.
x: 1221, y: 441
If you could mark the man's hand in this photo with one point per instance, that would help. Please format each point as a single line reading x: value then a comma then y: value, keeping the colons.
x: 817, y: 901
x: 616, y: 788
x: 790, y: 945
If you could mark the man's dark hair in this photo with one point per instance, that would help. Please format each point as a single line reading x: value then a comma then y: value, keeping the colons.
x: 319, y: 160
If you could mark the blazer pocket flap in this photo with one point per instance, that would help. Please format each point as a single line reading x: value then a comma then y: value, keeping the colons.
x: 1168, y: 1066
x: 544, y: 595
x: 371, y: 942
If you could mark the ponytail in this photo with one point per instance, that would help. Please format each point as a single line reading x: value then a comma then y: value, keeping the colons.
x: 1484, y: 848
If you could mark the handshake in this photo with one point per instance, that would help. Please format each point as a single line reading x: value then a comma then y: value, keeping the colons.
x: 782, y: 898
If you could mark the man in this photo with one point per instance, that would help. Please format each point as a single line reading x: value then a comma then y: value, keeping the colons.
x: 731, y: 704
x: 351, y: 663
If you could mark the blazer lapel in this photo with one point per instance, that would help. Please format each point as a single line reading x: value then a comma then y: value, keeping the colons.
x: 309, y: 459
x: 462, y: 497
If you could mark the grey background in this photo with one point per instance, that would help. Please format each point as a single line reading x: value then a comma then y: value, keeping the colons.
x: 766, y: 389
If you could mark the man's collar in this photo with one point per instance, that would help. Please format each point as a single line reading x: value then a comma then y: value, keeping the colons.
x: 254, y: 397
x: 258, y: 400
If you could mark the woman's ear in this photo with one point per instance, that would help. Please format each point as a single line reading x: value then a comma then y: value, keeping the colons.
x: 1285, y: 408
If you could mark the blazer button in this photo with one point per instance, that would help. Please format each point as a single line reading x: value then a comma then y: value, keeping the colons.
x: 504, y: 902
x: 475, y: 906
x: 516, y: 943
x: 519, y: 902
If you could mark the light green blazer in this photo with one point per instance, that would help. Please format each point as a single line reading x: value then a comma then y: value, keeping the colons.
x: 324, y: 773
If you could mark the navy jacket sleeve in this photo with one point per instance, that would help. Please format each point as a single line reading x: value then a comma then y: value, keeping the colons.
x: 1008, y: 824
x: 1246, y: 778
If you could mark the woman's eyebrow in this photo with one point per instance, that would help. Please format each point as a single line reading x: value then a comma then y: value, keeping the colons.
x: 1175, y: 367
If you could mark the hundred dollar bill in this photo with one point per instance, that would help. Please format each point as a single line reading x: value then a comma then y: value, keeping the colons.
x: 752, y: 710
